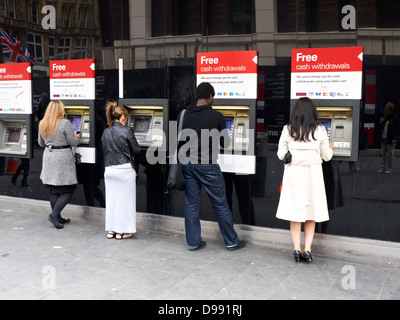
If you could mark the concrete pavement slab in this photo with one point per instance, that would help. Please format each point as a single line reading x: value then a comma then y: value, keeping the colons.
x: 39, y: 262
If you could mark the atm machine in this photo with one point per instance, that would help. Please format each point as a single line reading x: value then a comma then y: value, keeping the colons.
x: 149, y: 119
x: 81, y: 113
x: 16, y: 136
x: 238, y: 160
x: 341, y: 118
x: 240, y: 119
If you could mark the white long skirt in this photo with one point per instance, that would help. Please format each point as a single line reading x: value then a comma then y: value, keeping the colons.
x: 303, y: 195
x: 120, y: 187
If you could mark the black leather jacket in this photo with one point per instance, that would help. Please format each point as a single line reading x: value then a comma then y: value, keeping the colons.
x: 119, y: 145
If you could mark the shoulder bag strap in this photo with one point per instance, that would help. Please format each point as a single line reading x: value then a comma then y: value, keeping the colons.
x: 180, y: 124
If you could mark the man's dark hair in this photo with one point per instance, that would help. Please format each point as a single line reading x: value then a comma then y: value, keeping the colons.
x: 203, y: 91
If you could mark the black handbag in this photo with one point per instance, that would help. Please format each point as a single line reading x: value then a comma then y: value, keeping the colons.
x: 176, y: 180
x: 288, y: 158
x: 77, y: 158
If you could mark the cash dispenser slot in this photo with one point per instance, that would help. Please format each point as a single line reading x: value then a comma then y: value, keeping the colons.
x: 237, y: 119
x: 80, y: 120
x: 13, y: 137
x: 147, y: 123
x: 338, y: 122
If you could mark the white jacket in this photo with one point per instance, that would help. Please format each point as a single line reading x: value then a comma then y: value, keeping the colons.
x: 305, y: 153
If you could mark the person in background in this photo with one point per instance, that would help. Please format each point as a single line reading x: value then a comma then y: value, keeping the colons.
x: 58, y: 165
x: 390, y: 128
x: 43, y: 103
x: 303, y: 197
x: 119, y: 147
x: 202, y: 169
x: 23, y: 166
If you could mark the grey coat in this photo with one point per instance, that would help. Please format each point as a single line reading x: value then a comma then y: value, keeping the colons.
x: 58, y: 166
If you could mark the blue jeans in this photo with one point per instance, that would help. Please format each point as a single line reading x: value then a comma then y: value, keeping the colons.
x: 208, y: 176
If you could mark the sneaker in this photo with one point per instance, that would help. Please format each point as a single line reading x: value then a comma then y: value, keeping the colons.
x: 388, y: 171
x: 240, y: 245
x: 194, y: 248
x: 381, y: 170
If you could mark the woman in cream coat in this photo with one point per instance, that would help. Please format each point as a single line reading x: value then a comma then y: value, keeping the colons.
x: 303, y: 198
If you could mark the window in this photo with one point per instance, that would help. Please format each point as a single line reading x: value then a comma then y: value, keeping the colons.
x: 11, y: 9
x: 83, y: 12
x: 34, y: 13
x: 3, y: 9
x: 64, y: 46
x: 322, y: 15
x: 388, y: 14
x: 326, y: 15
x: 216, y: 17
x: 242, y: 17
x: 51, y: 47
x: 208, y: 17
x: 81, y: 44
x: 189, y: 13
x: 35, y: 45
x: 162, y: 17
x: 66, y: 16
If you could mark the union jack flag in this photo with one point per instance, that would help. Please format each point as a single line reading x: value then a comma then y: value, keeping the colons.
x: 14, y: 50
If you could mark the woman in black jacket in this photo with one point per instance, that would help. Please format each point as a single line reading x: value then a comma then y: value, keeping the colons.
x: 390, y: 128
x: 119, y: 147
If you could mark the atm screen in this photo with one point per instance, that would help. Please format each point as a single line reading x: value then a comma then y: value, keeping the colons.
x: 13, y: 135
x: 326, y: 124
x: 229, y: 123
x: 76, y: 122
x: 142, y: 125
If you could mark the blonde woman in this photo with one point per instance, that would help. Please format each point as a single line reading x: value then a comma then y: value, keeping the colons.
x: 58, y: 166
x: 119, y: 147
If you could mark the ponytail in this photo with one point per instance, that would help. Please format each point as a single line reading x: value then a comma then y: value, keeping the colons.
x: 114, y: 112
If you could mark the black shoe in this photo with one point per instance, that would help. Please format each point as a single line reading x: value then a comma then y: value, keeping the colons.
x: 63, y: 221
x: 56, y: 223
x: 202, y: 245
x: 297, y: 256
x: 240, y: 245
x: 14, y: 180
x: 307, y: 256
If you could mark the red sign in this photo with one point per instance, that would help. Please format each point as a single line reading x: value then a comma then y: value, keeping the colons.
x: 72, y: 69
x: 15, y: 71
x: 327, y: 59
x: 227, y: 62
x: 73, y: 79
x: 232, y: 73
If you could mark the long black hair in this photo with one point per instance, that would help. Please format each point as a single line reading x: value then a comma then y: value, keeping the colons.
x: 304, y: 120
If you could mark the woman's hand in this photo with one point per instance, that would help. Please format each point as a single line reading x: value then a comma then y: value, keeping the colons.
x: 331, y: 145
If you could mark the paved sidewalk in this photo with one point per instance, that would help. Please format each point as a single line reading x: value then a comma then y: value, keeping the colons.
x: 38, y: 262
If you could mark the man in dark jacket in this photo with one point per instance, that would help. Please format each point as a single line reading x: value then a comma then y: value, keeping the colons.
x: 204, y: 129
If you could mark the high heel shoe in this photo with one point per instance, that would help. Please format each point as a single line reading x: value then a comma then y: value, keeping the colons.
x: 297, y: 256
x: 307, y: 256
